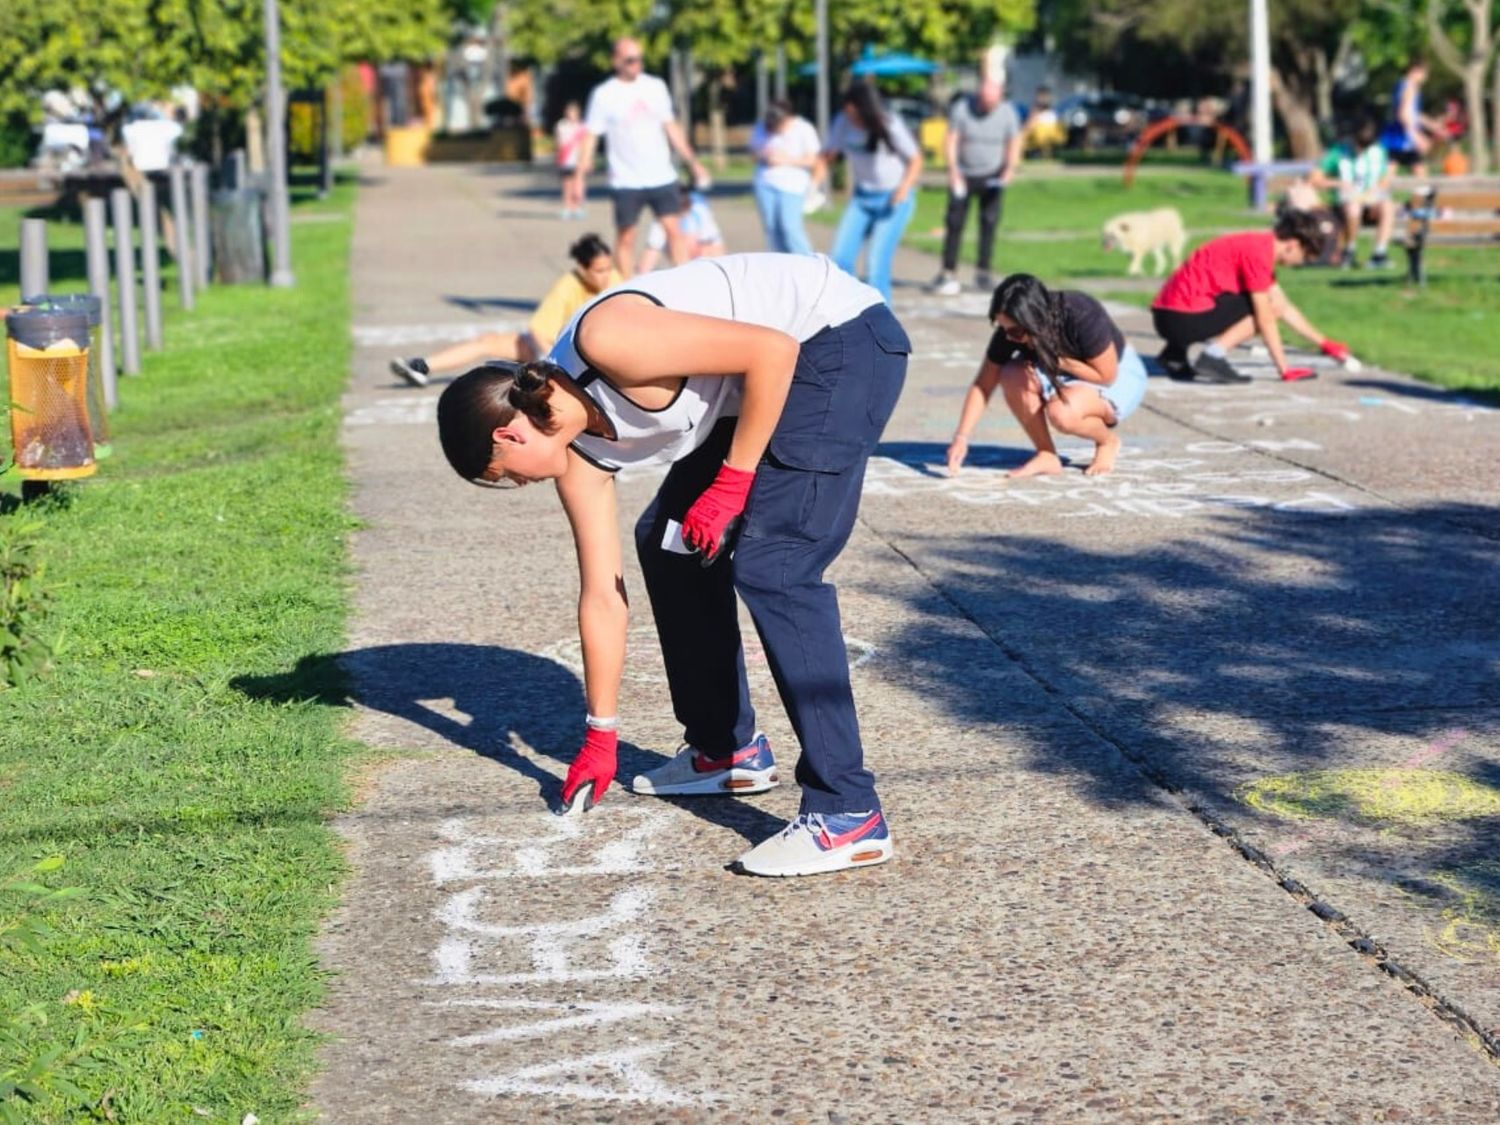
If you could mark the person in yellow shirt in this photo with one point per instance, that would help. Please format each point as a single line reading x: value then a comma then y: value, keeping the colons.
x: 593, y: 274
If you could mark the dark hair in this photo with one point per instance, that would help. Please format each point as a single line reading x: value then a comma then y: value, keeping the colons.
x: 480, y: 401
x: 1035, y: 308
x: 587, y: 248
x: 1416, y: 61
x: 777, y: 112
x: 866, y: 103
x: 1303, y: 226
x: 1367, y: 132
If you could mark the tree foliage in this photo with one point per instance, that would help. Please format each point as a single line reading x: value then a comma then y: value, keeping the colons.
x: 140, y: 49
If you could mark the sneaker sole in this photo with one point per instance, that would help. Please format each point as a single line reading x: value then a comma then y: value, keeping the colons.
x: 415, y: 378
x: 737, y: 783
x: 865, y: 853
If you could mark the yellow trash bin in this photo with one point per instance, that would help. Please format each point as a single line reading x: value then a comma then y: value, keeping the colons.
x: 48, y: 359
x: 93, y: 308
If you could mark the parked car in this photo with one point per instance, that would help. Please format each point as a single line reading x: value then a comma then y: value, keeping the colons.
x: 1107, y: 120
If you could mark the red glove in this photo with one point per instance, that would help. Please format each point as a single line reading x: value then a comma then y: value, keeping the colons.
x: 1334, y: 350
x: 594, y: 762
x: 706, y: 521
x: 1292, y: 374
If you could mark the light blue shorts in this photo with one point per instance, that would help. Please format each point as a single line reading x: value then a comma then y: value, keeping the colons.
x: 1124, y: 394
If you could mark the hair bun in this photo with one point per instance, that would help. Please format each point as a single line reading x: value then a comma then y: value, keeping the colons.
x: 531, y: 377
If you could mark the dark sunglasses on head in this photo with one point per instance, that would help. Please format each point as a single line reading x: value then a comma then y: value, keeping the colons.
x: 630, y: 59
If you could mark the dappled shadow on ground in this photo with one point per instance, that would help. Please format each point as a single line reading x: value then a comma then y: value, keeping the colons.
x: 1265, y: 644
x: 1425, y: 392
x: 502, y: 704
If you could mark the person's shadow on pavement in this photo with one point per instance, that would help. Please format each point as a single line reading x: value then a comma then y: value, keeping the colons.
x: 510, y: 697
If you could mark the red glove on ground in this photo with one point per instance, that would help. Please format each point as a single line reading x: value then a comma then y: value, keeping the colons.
x: 704, y: 525
x: 1292, y: 374
x: 594, y: 762
x: 1334, y: 350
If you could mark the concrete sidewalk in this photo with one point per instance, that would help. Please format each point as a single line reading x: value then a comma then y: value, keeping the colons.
x: 1193, y: 770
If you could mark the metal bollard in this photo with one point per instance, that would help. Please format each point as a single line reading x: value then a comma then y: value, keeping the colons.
x: 34, y: 278
x: 150, y: 265
x: 203, y: 258
x: 96, y: 253
x: 185, y: 250
x: 130, y: 343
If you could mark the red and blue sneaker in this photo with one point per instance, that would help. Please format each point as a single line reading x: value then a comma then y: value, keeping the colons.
x: 692, y: 773
x: 817, y: 843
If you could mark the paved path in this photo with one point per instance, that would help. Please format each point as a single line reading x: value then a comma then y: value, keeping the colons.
x: 1194, y: 771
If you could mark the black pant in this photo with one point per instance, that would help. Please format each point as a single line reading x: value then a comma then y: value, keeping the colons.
x: 801, y: 511
x: 988, y: 191
x: 1179, y: 329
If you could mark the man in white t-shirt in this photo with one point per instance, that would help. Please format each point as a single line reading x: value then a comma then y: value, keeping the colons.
x: 633, y: 113
x: 151, y: 142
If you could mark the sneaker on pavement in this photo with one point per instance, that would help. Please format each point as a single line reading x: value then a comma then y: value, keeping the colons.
x: 946, y: 285
x: 984, y: 281
x: 413, y: 370
x: 692, y: 773
x: 1217, y: 369
x: 1174, y: 362
x: 817, y: 843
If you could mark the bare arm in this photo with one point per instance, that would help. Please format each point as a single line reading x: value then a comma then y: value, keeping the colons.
x: 1294, y: 318
x: 975, y: 400
x: 1263, y: 311
x: 586, y: 154
x: 903, y: 189
x: 588, y: 498
x: 1015, y: 152
x: 950, y: 155
x: 679, y: 142
x: 1100, y: 370
x: 637, y: 343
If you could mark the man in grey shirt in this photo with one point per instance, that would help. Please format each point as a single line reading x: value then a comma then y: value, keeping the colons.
x: 983, y: 150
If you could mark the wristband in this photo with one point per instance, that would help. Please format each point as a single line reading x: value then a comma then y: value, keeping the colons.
x: 596, y: 722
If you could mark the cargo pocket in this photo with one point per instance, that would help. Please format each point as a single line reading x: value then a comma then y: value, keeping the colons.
x: 888, y: 372
x: 800, y: 487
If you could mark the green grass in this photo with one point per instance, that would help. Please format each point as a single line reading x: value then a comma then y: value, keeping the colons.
x: 1442, y: 333
x: 206, y: 557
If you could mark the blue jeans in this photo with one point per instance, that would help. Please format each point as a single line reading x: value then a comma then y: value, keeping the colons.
x: 871, y: 217
x: 781, y: 216
x: 801, y: 511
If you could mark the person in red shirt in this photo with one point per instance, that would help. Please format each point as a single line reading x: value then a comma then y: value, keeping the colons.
x: 1226, y: 292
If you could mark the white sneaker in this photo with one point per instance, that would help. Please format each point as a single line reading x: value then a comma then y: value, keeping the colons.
x: 692, y: 773
x: 817, y: 843
x: 946, y: 285
x: 414, y: 371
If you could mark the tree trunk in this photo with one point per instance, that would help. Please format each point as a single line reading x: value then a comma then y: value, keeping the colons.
x: 716, y: 119
x: 1295, y: 108
x: 1479, y: 148
x: 1495, y: 101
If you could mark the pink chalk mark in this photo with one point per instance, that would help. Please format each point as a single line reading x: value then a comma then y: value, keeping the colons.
x: 1439, y: 746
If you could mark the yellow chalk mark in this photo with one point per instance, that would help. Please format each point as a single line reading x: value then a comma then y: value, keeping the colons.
x: 1373, y: 796
x: 1471, y: 922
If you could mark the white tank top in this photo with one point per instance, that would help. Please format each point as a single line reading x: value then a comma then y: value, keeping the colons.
x: 797, y: 294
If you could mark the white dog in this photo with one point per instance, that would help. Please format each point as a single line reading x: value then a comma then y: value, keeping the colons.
x: 1147, y: 232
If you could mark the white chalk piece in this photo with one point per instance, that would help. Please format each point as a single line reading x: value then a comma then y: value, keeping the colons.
x: 1352, y: 365
x: 672, y: 541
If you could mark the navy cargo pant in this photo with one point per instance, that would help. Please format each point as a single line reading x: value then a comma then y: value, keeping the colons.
x: 801, y: 511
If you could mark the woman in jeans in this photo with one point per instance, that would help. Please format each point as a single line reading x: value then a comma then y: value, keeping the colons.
x: 884, y: 163
x: 786, y: 149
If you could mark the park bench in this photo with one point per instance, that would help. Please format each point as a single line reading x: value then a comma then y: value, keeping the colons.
x: 1453, y: 216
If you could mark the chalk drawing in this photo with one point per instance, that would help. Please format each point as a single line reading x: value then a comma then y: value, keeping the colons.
x: 485, y: 946
x: 634, y: 1083
x: 397, y: 335
x: 575, y: 1014
x: 1377, y: 796
x: 408, y: 410
x: 1470, y: 930
x: 474, y: 855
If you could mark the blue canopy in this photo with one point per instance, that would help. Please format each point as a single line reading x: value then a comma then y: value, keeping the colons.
x: 883, y: 66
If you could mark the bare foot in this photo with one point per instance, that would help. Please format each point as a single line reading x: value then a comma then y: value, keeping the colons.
x: 1042, y: 465
x: 1104, y: 456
